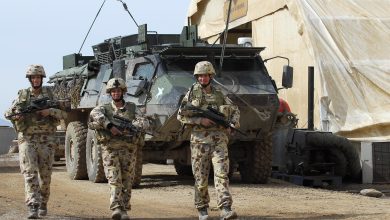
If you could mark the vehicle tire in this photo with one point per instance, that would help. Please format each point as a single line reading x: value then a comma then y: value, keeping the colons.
x: 57, y: 158
x: 76, y: 134
x: 258, y: 166
x: 138, y: 168
x: 337, y: 157
x: 232, y: 169
x: 351, y: 154
x: 354, y: 168
x: 94, y: 159
x: 183, y: 170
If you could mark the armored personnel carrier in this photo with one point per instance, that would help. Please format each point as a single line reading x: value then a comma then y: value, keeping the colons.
x: 158, y: 70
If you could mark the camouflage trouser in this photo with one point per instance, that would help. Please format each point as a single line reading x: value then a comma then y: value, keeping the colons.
x: 36, y: 155
x: 119, y: 165
x: 201, y: 155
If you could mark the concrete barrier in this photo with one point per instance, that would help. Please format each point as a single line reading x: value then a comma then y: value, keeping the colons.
x: 7, y: 134
x: 9, y: 160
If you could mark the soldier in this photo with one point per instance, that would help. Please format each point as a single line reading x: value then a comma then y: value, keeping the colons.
x: 36, y: 140
x: 209, y: 141
x: 118, y: 147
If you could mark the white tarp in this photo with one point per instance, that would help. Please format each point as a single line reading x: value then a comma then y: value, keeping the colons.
x: 209, y: 15
x: 349, y: 44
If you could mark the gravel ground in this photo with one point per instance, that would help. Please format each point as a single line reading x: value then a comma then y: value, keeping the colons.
x: 164, y: 195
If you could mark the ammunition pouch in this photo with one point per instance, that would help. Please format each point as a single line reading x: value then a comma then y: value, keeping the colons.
x: 29, y: 122
x: 103, y: 136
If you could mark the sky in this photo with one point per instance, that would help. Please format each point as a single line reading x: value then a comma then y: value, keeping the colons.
x: 43, y: 31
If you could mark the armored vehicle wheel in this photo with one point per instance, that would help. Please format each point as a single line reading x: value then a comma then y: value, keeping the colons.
x: 338, y: 158
x: 75, y: 137
x: 138, y: 168
x: 351, y: 155
x: 182, y: 169
x: 94, y: 159
x: 57, y: 158
x: 232, y: 168
x: 258, y: 166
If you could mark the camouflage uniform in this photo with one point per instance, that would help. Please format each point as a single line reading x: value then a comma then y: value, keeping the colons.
x: 36, y: 145
x: 209, y: 145
x: 118, y: 152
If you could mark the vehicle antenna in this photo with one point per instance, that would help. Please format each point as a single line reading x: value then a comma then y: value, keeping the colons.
x: 127, y: 9
x: 97, y: 14
x: 259, y: 114
x: 224, y: 39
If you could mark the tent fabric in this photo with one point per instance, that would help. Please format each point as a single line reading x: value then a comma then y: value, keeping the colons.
x: 283, y: 36
x: 210, y: 23
x: 193, y: 7
x: 348, y: 43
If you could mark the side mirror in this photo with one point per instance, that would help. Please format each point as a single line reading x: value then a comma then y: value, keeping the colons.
x: 287, y: 79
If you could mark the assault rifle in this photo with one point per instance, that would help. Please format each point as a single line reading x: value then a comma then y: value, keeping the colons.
x: 125, y: 125
x: 211, y: 113
x: 41, y: 104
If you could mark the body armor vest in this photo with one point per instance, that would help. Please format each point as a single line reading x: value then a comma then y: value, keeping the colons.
x: 202, y: 100
x: 34, y: 123
x: 104, y: 135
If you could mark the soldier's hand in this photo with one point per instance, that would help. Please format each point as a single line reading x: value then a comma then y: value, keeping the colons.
x: 115, y: 131
x: 206, y: 122
x: 17, y: 117
x: 229, y: 131
x: 44, y: 112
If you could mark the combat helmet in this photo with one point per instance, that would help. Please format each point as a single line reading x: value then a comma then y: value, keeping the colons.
x: 116, y: 83
x: 204, y: 67
x: 35, y: 70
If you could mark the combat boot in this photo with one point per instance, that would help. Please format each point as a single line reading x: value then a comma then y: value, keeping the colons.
x: 124, y: 215
x: 42, y: 209
x: 32, y: 212
x: 116, y: 214
x: 203, y: 214
x: 228, y: 213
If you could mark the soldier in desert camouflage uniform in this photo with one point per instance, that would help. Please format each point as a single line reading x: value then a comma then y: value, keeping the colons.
x: 209, y: 141
x: 36, y: 140
x: 118, y: 148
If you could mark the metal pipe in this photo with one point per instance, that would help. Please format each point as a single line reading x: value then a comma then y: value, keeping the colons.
x: 310, y: 98
x: 224, y: 39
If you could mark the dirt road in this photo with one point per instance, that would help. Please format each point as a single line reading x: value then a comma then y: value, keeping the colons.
x: 163, y: 195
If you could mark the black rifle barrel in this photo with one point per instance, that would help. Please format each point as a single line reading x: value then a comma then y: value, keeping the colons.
x: 36, y: 105
x: 212, y: 114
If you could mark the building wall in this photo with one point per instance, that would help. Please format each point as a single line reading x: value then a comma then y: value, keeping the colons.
x: 279, y: 33
x: 346, y: 41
